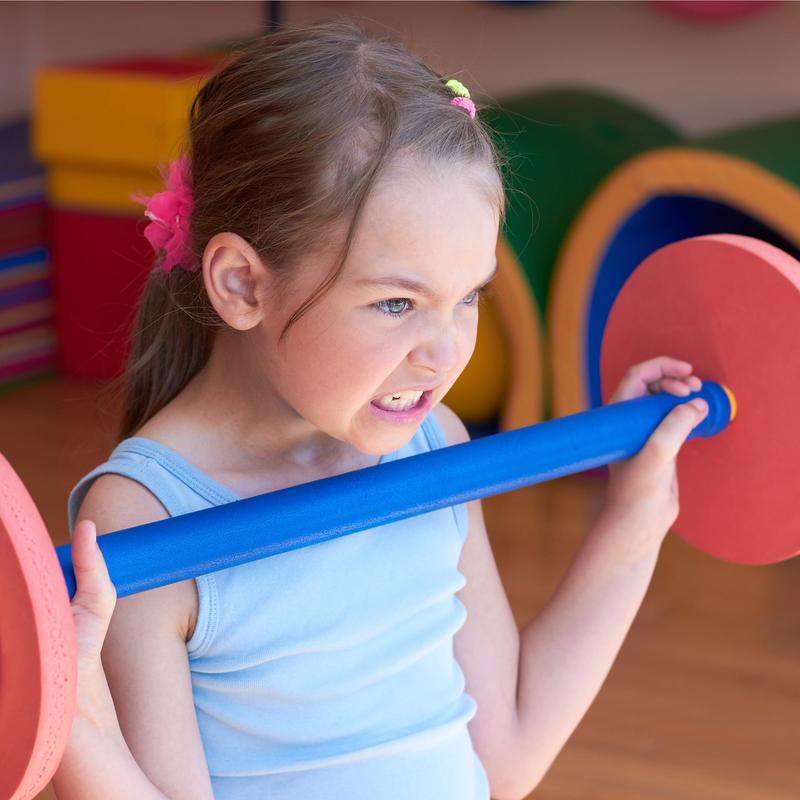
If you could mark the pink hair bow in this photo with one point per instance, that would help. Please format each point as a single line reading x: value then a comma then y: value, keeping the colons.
x: 169, y: 213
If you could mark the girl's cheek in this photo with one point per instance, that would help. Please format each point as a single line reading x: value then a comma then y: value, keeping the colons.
x: 468, y: 335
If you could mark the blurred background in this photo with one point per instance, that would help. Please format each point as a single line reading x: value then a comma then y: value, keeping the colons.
x: 629, y: 124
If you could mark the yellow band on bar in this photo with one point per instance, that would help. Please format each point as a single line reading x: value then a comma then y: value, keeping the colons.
x: 732, y: 399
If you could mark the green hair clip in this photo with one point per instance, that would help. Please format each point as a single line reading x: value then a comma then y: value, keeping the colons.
x: 458, y: 88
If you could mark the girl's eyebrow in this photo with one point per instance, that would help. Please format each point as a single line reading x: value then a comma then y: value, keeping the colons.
x: 411, y: 285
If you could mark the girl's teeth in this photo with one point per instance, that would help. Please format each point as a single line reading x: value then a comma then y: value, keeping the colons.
x: 401, y: 401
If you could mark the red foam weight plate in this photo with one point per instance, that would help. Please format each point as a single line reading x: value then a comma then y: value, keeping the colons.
x: 37, y: 646
x: 730, y: 305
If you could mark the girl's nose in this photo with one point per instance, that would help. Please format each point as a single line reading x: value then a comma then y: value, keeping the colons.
x: 439, y: 351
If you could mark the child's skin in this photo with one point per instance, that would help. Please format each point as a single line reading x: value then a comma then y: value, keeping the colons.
x: 261, y: 415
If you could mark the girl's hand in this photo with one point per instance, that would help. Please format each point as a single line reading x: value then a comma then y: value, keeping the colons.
x: 643, y: 490
x: 94, y: 599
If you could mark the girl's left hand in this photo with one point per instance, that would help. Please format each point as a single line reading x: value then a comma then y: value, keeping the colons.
x: 94, y: 599
x: 643, y: 490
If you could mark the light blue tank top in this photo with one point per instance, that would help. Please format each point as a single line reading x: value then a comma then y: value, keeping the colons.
x: 326, y: 673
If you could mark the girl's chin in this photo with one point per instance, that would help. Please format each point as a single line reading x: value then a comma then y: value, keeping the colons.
x: 379, y: 432
x: 384, y: 446
x: 382, y: 443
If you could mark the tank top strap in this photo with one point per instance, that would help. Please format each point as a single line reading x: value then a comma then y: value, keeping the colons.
x: 433, y: 432
x: 178, y: 486
x: 435, y: 439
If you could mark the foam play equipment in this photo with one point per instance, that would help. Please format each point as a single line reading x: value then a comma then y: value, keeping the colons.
x: 741, y: 182
x: 477, y: 395
x: 714, y: 11
x: 102, y: 129
x: 750, y: 429
x: 523, y: 403
x: 502, y: 387
x: 102, y: 264
x: 561, y: 144
x: 741, y: 296
x: 21, y: 176
x: 27, y: 338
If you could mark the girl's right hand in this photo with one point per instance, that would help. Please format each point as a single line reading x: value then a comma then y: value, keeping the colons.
x: 642, y: 492
x: 94, y: 599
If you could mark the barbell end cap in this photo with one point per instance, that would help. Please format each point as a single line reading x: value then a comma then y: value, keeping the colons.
x: 721, y: 409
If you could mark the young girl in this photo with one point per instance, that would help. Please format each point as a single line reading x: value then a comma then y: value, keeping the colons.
x: 321, y: 253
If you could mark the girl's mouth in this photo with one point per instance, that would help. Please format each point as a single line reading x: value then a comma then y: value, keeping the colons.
x: 402, y: 408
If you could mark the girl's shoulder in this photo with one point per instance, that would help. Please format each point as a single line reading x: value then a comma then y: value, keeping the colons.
x: 123, y: 492
x: 115, y: 502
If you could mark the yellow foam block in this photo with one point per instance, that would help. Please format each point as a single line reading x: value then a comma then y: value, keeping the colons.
x: 88, y: 189
x: 116, y: 115
x: 519, y: 315
x: 504, y: 378
x: 479, y: 392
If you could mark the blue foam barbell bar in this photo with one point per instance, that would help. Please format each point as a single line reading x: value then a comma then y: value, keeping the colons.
x: 158, y: 553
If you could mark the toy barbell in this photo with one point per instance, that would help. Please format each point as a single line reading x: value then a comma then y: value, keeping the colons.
x: 664, y: 308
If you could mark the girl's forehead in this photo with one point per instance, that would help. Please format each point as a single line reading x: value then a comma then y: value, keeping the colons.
x: 420, y: 192
x: 438, y: 227
x: 423, y: 219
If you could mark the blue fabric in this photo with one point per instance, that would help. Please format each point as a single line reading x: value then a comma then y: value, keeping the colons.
x: 326, y: 672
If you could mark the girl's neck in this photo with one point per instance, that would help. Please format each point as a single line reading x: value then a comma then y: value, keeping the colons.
x: 243, y: 429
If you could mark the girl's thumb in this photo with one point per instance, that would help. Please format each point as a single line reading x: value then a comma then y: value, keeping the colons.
x: 667, y: 439
x: 93, y: 585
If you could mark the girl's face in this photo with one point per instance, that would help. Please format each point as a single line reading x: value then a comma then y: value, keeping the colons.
x: 401, y: 318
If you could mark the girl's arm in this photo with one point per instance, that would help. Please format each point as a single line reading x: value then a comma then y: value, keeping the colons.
x: 97, y: 762
x: 533, y: 688
x: 144, y: 743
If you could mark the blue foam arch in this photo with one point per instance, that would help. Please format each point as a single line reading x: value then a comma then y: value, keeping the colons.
x: 660, y: 221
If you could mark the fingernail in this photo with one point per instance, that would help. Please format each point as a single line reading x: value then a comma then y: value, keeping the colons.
x: 700, y: 405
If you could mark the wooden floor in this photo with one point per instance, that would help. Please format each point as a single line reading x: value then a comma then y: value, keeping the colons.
x: 704, y: 700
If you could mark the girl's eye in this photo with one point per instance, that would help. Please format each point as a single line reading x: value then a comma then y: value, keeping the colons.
x: 394, y: 306
x: 398, y: 306
x: 475, y: 298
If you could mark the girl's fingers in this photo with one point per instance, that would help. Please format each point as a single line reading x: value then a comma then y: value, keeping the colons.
x: 639, y: 377
x: 676, y: 386
x: 670, y: 385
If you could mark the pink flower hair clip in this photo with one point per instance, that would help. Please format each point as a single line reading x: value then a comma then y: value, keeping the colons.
x: 169, y: 213
x: 462, y: 98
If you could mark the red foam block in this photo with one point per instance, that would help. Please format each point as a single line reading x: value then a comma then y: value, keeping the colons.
x: 100, y: 265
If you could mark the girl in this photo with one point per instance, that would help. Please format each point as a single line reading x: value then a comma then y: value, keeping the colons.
x: 320, y: 260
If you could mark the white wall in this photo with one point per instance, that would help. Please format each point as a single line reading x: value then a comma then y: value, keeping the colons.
x: 32, y: 33
x: 701, y: 77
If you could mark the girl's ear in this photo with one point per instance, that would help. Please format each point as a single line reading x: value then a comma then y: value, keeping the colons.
x: 235, y: 279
